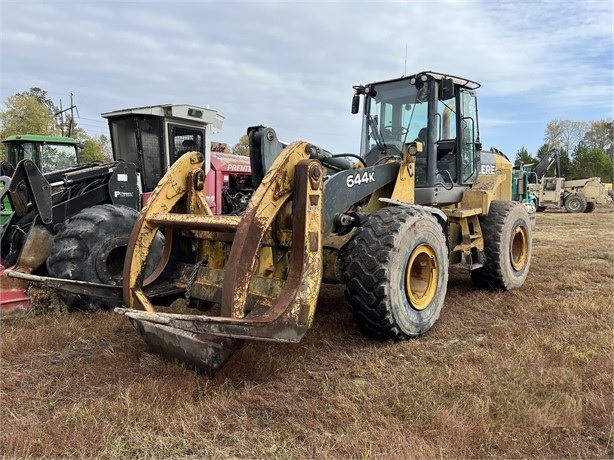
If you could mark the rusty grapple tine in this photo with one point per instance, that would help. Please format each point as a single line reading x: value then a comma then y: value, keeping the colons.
x: 204, y: 353
x: 171, y: 188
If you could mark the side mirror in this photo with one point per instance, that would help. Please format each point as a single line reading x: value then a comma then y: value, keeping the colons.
x: 446, y: 89
x: 355, y: 103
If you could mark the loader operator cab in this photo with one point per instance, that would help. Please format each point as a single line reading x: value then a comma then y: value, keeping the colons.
x: 154, y: 137
x: 437, y: 110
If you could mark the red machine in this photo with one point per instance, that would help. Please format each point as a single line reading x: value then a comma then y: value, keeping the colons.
x: 229, y: 183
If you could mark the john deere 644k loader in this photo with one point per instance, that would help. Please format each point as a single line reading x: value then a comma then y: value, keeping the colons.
x: 387, y: 223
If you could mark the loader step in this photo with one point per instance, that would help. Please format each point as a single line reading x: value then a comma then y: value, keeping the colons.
x: 468, y: 267
x: 464, y: 212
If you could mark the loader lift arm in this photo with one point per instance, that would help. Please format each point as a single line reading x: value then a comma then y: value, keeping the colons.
x: 47, y: 200
x: 29, y: 184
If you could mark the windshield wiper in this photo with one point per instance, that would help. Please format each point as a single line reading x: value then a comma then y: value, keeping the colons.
x: 375, y: 132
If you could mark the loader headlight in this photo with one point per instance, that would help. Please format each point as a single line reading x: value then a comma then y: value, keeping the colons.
x: 413, y: 148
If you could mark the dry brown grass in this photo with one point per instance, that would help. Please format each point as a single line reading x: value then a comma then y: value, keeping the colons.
x: 524, y: 374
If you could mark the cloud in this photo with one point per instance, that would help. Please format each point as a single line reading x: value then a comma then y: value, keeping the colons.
x: 292, y: 64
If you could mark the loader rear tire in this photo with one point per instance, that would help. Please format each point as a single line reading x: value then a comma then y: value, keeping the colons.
x: 590, y: 207
x: 507, y: 246
x: 396, y: 273
x: 91, y: 246
x: 575, y: 203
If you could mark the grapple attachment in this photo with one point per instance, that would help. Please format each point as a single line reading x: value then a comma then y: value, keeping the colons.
x: 262, y: 271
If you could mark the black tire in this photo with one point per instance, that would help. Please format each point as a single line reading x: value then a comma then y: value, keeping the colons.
x: 508, y: 247
x: 575, y: 203
x: 91, y: 246
x: 541, y: 208
x: 590, y: 206
x: 383, y: 296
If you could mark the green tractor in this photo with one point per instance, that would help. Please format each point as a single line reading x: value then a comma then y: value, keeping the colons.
x: 49, y: 153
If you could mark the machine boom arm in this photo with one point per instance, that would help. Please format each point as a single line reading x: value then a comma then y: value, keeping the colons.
x: 553, y: 156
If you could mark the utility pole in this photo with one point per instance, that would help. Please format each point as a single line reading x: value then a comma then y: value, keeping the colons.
x: 72, y: 116
x: 61, y: 113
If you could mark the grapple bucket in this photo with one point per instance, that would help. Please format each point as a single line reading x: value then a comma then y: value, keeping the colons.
x: 263, y: 270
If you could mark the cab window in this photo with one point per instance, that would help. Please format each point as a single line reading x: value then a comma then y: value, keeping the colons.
x: 469, y: 136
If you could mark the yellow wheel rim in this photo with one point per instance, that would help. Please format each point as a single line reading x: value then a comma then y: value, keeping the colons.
x: 421, y: 277
x: 519, y: 248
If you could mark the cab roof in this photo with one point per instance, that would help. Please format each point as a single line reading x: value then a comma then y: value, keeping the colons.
x: 460, y: 81
x: 40, y: 138
x: 184, y: 112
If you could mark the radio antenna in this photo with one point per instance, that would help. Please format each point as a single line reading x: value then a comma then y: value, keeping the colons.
x: 405, y: 73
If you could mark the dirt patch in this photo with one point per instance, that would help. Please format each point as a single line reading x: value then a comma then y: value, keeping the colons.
x: 44, y: 300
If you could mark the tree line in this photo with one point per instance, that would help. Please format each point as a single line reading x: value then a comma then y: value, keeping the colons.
x: 586, y: 148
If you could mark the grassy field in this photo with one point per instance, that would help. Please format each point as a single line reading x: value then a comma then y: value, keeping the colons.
x: 523, y: 374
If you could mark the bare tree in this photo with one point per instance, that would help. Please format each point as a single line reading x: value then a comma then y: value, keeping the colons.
x: 565, y: 134
x: 600, y: 135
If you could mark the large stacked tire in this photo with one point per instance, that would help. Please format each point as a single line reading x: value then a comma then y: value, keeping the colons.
x: 575, y: 203
x: 91, y: 246
x: 508, y: 247
x: 396, y: 273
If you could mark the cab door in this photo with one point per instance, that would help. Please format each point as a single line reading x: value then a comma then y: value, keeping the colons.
x: 469, y: 135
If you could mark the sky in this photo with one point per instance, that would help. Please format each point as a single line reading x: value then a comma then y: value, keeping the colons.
x: 291, y: 65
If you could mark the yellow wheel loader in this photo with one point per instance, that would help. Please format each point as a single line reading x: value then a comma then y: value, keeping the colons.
x: 388, y: 223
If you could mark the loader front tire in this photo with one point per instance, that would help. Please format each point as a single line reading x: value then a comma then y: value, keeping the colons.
x: 91, y: 246
x: 396, y: 273
x: 507, y: 246
x: 575, y: 203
